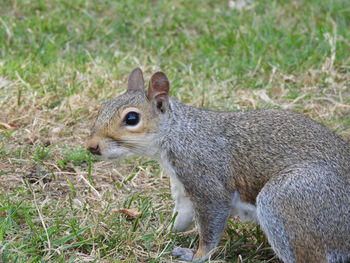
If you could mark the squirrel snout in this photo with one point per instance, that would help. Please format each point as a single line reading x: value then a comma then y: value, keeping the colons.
x: 94, y: 148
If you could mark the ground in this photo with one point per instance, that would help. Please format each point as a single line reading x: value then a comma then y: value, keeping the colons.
x: 60, y: 59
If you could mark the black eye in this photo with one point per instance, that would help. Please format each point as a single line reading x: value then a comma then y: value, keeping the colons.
x: 132, y: 118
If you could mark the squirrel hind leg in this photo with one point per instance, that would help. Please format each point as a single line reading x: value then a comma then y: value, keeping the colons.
x: 305, y: 215
x: 338, y: 257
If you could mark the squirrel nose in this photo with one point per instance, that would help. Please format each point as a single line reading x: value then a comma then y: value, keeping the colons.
x: 95, y: 150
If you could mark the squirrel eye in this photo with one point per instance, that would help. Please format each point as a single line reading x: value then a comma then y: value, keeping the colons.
x: 132, y: 118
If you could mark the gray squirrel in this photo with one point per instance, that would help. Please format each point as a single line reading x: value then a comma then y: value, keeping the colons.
x: 283, y: 170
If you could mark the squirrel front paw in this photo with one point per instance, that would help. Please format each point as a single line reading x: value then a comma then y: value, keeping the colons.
x: 186, y: 254
x: 181, y: 253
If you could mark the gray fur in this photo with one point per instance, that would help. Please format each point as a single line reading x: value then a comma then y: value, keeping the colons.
x: 295, y: 171
x: 208, y: 148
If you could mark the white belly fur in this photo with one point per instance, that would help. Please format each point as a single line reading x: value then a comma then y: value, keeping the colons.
x: 183, y: 205
x: 245, y: 211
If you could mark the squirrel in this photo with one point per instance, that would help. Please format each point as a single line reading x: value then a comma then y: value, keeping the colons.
x: 279, y: 168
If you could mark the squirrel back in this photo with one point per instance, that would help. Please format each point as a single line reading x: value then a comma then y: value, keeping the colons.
x: 249, y: 147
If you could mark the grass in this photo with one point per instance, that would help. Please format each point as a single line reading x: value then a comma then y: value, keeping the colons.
x: 60, y: 59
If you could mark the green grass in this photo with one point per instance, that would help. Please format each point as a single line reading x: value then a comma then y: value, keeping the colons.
x: 60, y: 59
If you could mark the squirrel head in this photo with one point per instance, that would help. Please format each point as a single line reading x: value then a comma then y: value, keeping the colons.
x: 127, y: 124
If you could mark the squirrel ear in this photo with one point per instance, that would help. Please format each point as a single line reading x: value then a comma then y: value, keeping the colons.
x: 136, y: 81
x: 158, y: 90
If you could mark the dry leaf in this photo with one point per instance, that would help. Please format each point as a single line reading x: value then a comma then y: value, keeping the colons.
x: 132, y: 212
